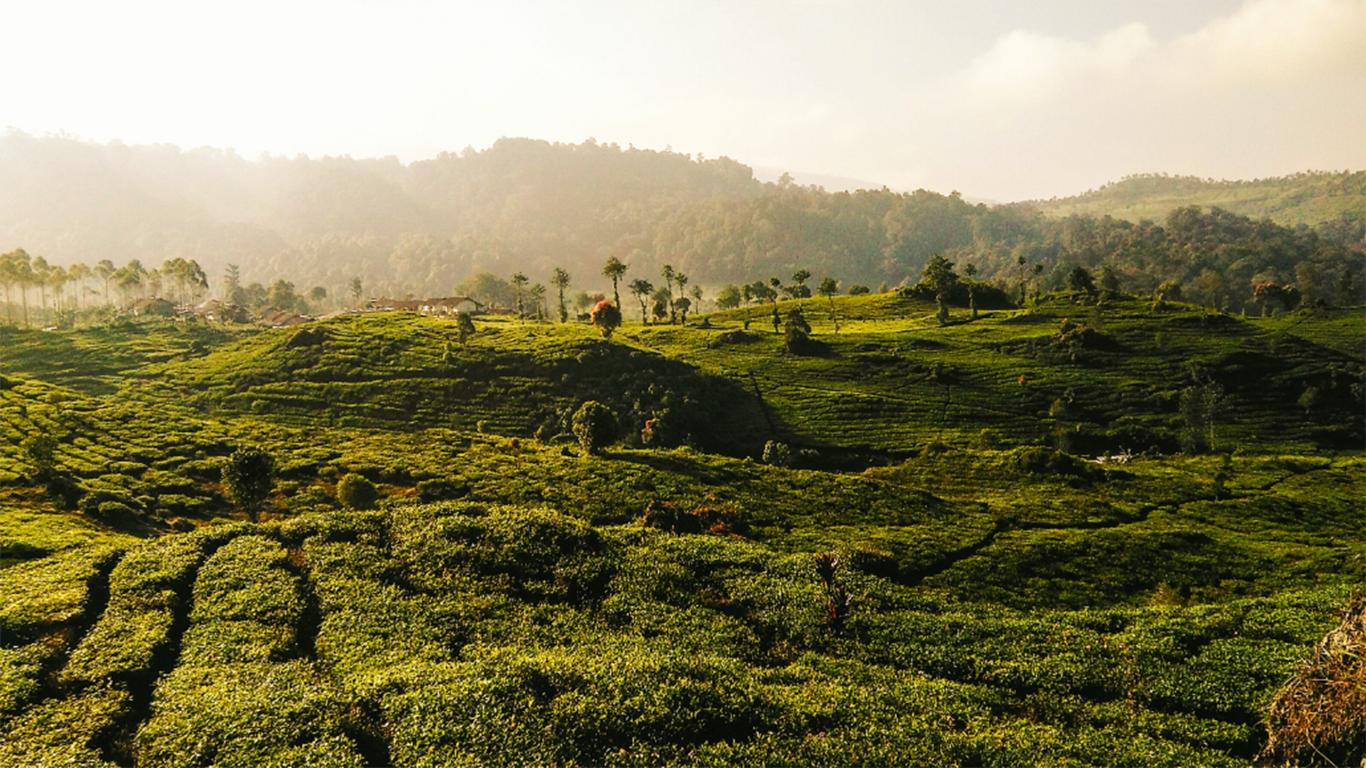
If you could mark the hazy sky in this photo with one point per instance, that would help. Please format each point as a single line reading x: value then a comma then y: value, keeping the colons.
x: 997, y: 98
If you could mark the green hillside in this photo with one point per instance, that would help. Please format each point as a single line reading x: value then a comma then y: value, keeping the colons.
x: 1068, y: 534
x: 1305, y: 198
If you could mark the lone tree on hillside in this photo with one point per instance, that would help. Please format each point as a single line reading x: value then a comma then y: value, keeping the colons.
x: 668, y: 274
x: 593, y: 425
x: 1079, y: 280
x: 248, y: 477
x: 561, y: 281
x: 464, y: 326
x: 605, y: 317
x: 642, y: 289
x: 356, y: 290
x: 681, y: 280
x: 940, y: 278
x: 356, y: 492
x: 519, y: 282
x: 41, y: 452
x: 772, y: 295
x: 971, y: 271
x: 828, y: 288
x: 614, y: 270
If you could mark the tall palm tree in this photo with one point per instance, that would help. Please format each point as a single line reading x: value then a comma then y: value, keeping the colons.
x: 21, y: 272
x: 57, y: 280
x: 681, y: 280
x: 79, y: 274
x: 561, y: 281
x: 614, y: 270
x: 40, y: 270
x: 105, y: 271
x: 7, y: 279
x: 668, y: 274
x: 519, y: 281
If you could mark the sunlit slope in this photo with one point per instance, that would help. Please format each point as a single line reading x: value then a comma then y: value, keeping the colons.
x: 894, y: 380
x: 400, y: 370
x: 1303, y: 199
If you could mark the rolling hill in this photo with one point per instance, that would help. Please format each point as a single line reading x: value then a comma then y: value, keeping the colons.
x: 913, y: 543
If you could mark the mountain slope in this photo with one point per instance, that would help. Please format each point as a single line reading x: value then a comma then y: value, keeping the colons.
x: 1304, y: 198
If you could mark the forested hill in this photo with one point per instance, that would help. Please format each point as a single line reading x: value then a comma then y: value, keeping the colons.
x: 533, y: 206
x: 1303, y: 198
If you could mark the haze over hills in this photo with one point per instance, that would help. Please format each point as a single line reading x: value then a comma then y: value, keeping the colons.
x: 532, y: 206
x: 1303, y: 198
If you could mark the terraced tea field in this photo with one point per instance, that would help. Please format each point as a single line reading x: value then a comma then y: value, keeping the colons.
x: 928, y: 581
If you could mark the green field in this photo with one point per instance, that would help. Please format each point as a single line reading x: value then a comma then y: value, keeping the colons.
x: 1001, y: 541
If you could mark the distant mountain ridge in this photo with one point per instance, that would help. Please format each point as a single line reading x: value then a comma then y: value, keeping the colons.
x: 1308, y: 198
x: 531, y: 206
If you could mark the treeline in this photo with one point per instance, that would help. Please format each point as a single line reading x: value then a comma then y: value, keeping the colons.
x: 533, y: 207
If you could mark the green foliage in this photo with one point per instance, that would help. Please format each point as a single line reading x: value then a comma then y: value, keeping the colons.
x: 357, y: 492
x: 594, y: 426
x: 249, y: 475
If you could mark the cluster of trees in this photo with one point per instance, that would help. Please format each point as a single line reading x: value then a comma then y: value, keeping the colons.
x: 63, y: 292
x: 71, y: 287
x: 533, y: 207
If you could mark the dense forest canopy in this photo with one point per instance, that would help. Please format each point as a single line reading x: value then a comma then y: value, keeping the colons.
x: 533, y: 206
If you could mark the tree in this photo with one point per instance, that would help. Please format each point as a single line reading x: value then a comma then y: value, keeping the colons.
x: 659, y: 305
x: 1079, y: 280
x: 464, y: 326
x: 971, y: 271
x: 684, y: 304
x: 105, y: 271
x: 519, y: 282
x: 537, y: 295
x: 771, y: 293
x: 828, y: 288
x: 357, y: 288
x: 41, y: 452
x: 696, y: 298
x: 357, y: 492
x: 728, y: 297
x: 594, y: 425
x: 642, y: 289
x: 605, y: 317
x: 317, y: 294
x: 1348, y: 295
x: 797, y: 333
x: 248, y: 477
x: 798, y: 289
x: 232, y: 283
x: 614, y: 270
x: 681, y: 280
x: 1109, y: 281
x: 668, y: 274
x: 560, y: 279
x: 939, y: 278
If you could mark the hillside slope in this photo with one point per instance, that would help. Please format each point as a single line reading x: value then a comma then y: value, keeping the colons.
x: 1306, y: 198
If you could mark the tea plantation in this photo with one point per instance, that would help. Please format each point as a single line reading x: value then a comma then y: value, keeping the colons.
x: 1063, y: 535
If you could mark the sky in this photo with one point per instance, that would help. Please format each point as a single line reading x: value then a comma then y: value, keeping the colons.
x: 998, y: 99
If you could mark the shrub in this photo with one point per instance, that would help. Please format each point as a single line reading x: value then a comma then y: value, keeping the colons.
x: 777, y: 454
x: 594, y: 424
x: 248, y: 476
x: 41, y: 452
x: 356, y: 492
x: 306, y: 337
x: 1041, y: 460
x: 441, y: 490
x: 116, y: 512
x: 1320, y: 714
x: 605, y: 317
x: 464, y: 326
